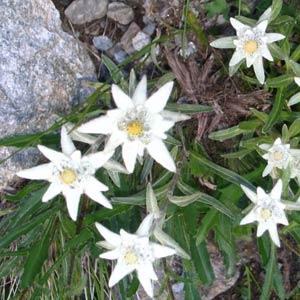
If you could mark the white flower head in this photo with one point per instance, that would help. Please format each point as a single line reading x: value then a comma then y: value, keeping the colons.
x: 268, y: 211
x: 134, y: 252
x: 138, y: 124
x: 251, y: 43
x: 70, y: 174
x: 278, y: 156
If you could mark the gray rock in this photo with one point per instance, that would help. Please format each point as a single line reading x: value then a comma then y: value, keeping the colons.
x: 82, y: 11
x: 40, y: 72
x: 126, y: 40
x: 149, y: 28
x: 140, y: 40
x: 120, y: 12
x: 102, y: 42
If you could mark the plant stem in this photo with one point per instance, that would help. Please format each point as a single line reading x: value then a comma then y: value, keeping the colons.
x: 78, y: 229
x: 171, y: 294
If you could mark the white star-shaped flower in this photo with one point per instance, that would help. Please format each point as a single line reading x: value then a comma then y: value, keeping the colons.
x: 268, y: 211
x: 134, y: 252
x: 279, y: 155
x: 251, y: 43
x: 138, y: 124
x: 70, y: 174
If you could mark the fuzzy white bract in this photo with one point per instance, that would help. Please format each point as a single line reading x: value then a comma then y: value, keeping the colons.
x: 70, y: 174
x: 278, y: 156
x: 251, y: 44
x: 268, y: 211
x: 134, y: 252
x: 138, y: 124
x: 295, y: 99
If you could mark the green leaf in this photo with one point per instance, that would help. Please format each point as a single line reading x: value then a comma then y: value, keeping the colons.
x: 275, y: 8
x: 37, y: 256
x: 24, y: 228
x: 216, y: 7
x: 268, y: 282
x: 277, y: 52
x: 197, y: 27
x: 113, y: 69
x: 280, y: 81
x: 226, y: 134
x: 294, y: 128
x: 188, y: 108
x: 220, y: 171
x: 183, y: 201
x: 275, y: 112
x: 207, y: 222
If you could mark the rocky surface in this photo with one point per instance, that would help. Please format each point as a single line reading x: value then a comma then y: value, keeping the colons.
x: 83, y: 11
x: 40, y: 73
x: 120, y: 12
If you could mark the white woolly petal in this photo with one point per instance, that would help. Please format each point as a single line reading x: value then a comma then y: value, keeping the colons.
x: 158, y: 100
x: 237, y: 25
x: 53, y: 190
x: 276, y: 191
x: 101, y: 125
x: 145, y: 226
x: 174, y: 116
x: 129, y: 154
x: 236, y: 58
x: 158, y: 150
x: 259, y: 69
x: 249, y: 218
x: 265, y: 147
x: 250, y: 59
x: 42, y: 172
x: 72, y: 197
x: 147, y: 267
x: 122, y: 100
x: 272, y: 228
x: 145, y: 282
x: 266, y: 53
x: 116, y: 139
x: 268, y: 169
x: 67, y: 145
x: 113, y: 254
x: 261, y: 228
x: 98, y: 159
x: 274, y: 37
x: 91, y: 183
x: 111, y: 237
x: 140, y: 93
x: 119, y: 272
x: 262, y: 26
x: 160, y: 251
x: 249, y: 193
x: 266, y: 15
x: 297, y: 80
x: 76, y: 156
x: 224, y: 42
x: 55, y: 156
x: 98, y: 197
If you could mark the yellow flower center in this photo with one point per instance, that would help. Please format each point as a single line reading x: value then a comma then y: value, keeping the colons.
x: 68, y: 176
x: 130, y: 258
x: 135, y: 128
x: 277, y: 155
x: 265, y: 214
x: 250, y: 46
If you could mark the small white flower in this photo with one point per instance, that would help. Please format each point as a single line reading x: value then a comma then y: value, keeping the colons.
x: 134, y: 252
x: 70, y: 174
x: 138, y: 124
x: 251, y: 43
x: 278, y: 156
x: 268, y: 211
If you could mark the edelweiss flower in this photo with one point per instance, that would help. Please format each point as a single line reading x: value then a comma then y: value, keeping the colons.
x: 268, y: 211
x: 133, y: 252
x: 251, y: 43
x: 278, y: 156
x: 137, y: 124
x: 296, y: 98
x: 70, y: 174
